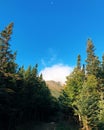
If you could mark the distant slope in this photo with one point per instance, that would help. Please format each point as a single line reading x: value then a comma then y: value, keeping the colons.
x: 55, y: 88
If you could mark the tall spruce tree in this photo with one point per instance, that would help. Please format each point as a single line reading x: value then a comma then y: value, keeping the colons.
x: 92, y: 61
x: 88, y: 103
x: 73, y: 88
x: 6, y: 56
x: 84, y: 92
x: 101, y: 91
x: 102, y: 66
x: 8, y: 80
x: 79, y: 62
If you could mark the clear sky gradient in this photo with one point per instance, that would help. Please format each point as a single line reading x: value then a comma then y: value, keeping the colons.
x: 51, y: 32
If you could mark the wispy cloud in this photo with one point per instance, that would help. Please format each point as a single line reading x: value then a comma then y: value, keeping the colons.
x: 43, y: 62
x: 56, y: 72
x: 50, y: 59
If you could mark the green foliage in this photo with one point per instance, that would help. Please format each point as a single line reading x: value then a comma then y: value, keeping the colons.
x: 24, y: 95
x: 6, y: 57
x: 87, y: 104
x: 74, y: 84
x: 84, y: 90
x: 93, y: 63
x: 79, y: 62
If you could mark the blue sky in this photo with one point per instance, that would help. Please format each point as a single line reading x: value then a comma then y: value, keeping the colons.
x: 52, y: 32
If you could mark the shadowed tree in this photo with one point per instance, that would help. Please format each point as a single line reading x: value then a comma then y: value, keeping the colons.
x: 79, y: 62
x: 7, y: 58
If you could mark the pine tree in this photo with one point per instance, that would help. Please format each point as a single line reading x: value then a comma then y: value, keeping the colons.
x: 79, y: 62
x: 93, y: 63
x: 6, y: 57
x: 8, y: 80
x: 102, y: 65
x: 73, y: 88
x: 88, y: 103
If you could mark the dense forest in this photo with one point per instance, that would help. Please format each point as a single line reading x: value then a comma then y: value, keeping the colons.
x: 25, y: 96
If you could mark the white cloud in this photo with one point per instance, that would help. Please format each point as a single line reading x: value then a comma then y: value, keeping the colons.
x: 56, y: 72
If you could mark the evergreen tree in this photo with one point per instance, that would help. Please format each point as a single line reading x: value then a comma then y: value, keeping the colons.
x: 102, y: 68
x: 83, y: 90
x: 73, y: 88
x: 103, y: 63
x: 74, y: 83
x: 8, y: 80
x: 88, y: 103
x: 93, y: 63
x: 79, y: 62
x: 7, y: 63
x: 21, y: 72
x: 101, y: 92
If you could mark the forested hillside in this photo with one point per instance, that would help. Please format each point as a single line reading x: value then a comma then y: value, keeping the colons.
x: 55, y: 88
x: 25, y: 96
x: 84, y: 91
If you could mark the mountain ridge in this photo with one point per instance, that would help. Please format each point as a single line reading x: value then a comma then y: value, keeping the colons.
x: 55, y: 87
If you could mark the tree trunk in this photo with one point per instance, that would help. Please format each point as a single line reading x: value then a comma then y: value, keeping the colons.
x: 86, y: 128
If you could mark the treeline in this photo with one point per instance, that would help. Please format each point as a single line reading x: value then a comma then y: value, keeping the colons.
x: 24, y: 95
x: 84, y: 91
